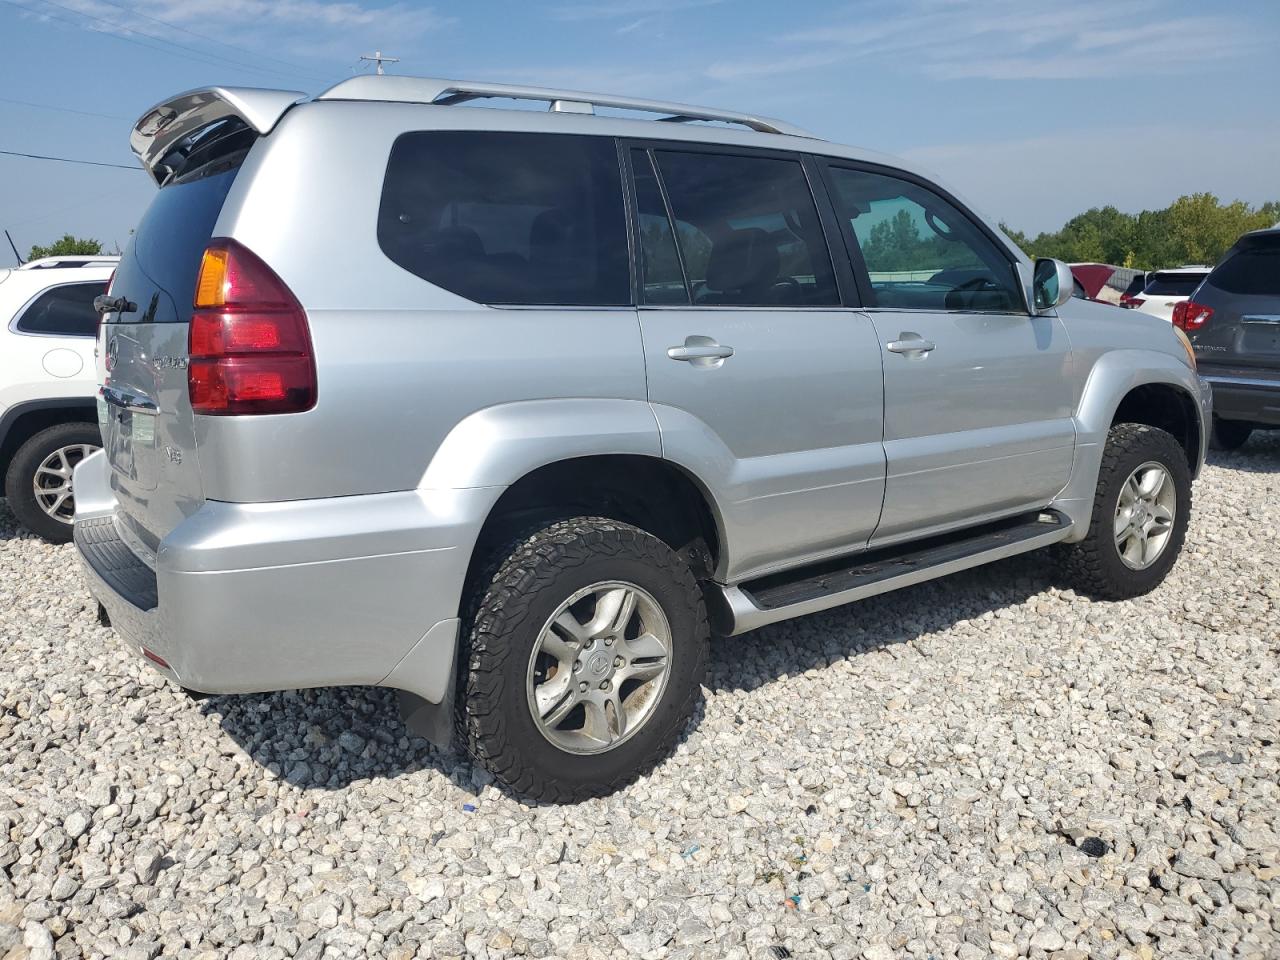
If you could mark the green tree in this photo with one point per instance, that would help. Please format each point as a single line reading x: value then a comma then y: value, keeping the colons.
x: 66, y: 247
x: 1193, y: 229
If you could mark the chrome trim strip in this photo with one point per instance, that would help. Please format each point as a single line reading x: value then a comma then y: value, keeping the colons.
x: 1241, y: 381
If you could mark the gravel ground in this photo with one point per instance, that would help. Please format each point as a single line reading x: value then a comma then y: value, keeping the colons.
x: 984, y: 766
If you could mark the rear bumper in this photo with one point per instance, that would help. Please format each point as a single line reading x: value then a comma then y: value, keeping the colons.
x: 1254, y: 398
x: 255, y: 597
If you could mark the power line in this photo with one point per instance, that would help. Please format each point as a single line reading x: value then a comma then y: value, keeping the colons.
x: 91, y: 163
x: 201, y: 36
x: 181, y: 46
x: 114, y: 36
x: 206, y: 56
x: 49, y: 106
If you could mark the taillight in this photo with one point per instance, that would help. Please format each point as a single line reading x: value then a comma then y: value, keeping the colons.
x: 250, y: 349
x: 1189, y: 315
x: 1133, y: 303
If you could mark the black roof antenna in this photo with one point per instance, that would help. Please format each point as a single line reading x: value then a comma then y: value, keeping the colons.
x: 16, y: 254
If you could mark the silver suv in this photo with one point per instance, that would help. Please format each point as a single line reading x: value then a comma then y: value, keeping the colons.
x: 510, y: 410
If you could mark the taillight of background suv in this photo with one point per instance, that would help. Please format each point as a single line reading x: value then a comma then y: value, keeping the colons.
x: 1189, y: 315
x: 250, y: 349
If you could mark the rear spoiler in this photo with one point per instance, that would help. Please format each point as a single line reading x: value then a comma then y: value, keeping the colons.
x: 167, y: 124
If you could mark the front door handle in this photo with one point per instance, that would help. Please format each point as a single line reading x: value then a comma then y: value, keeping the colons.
x: 911, y: 345
x: 701, y: 352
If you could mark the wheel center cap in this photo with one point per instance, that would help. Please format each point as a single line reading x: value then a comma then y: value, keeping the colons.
x: 598, y: 664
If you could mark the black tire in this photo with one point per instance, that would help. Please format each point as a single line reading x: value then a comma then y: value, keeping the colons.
x: 20, y: 478
x: 506, y: 613
x: 1094, y: 565
x: 1230, y: 434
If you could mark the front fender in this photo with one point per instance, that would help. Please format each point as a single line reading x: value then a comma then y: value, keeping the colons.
x: 1113, y: 376
x: 497, y: 446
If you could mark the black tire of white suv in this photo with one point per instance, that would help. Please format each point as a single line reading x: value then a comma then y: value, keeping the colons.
x: 1132, y: 542
x: 560, y: 713
x: 57, y: 450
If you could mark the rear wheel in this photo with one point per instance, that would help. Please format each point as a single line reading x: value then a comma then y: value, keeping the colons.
x: 1140, y: 514
x: 38, y: 482
x: 1230, y: 434
x: 583, y: 659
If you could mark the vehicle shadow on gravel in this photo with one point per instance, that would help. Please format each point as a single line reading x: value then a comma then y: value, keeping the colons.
x: 755, y: 659
x: 1261, y: 454
x: 328, y: 739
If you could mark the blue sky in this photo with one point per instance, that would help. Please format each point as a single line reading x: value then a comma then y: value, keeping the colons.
x: 1032, y: 110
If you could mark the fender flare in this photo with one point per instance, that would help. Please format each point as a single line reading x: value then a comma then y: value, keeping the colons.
x: 498, y: 445
x: 1111, y: 379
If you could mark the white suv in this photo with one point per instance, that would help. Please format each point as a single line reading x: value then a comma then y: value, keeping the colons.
x: 48, y: 418
x: 1166, y: 289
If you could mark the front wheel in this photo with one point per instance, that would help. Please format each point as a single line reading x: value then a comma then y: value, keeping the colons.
x: 1140, y: 514
x: 583, y: 659
x: 38, y: 482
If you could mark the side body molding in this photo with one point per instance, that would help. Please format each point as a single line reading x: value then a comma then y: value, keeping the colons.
x: 1111, y: 378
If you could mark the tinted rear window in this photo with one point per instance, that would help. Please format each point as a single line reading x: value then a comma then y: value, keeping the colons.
x: 1173, y: 284
x: 172, y: 236
x: 508, y: 218
x: 1252, y: 270
x: 65, y: 310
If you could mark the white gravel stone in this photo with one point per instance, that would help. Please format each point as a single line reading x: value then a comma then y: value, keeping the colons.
x: 922, y: 774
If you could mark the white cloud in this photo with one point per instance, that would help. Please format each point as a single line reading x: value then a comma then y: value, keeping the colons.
x: 1008, y: 40
x: 626, y: 8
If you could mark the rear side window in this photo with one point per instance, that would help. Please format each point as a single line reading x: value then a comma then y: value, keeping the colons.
x: 747, y: 229
x: 1173, y: 284
x: 1252, y: 270
x: 508, y: 218
x: 66, y: 311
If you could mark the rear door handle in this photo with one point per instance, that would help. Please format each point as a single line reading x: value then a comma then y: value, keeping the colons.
x: 911, y: 345
x: 701, y: 352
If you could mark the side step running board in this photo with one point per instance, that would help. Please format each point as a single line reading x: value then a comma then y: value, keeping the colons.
x: 832, y: 583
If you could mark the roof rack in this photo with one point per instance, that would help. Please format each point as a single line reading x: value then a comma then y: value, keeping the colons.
x: 71, y: 260
x: 446, y: 92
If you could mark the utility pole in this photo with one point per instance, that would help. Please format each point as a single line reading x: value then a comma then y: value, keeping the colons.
x: 379, y: 59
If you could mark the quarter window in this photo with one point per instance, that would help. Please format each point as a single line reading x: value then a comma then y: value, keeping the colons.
x: 747, y: 229
x: 508, y: 218
x: 65, y: 310
x: 920, y: 251
x: 661, y: 275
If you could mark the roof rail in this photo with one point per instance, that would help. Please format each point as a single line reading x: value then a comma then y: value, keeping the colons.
x: 444, y: 92
x: 71, y: 260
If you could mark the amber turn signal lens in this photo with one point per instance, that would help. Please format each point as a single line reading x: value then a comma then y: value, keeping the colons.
x: 211, y: 285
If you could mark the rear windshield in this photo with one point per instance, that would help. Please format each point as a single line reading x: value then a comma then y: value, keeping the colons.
x: 508, y: 218
x: 175, y: 230
x: 1173, y: 284
x: 1254, y: 269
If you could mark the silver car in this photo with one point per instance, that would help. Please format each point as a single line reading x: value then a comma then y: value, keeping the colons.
x: 511, y: 410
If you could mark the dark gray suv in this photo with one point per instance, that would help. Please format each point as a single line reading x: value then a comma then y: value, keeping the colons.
x: 1233, y: 322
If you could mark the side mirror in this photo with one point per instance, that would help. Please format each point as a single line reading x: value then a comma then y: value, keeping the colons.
x: 1052, y: 284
